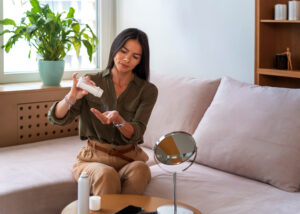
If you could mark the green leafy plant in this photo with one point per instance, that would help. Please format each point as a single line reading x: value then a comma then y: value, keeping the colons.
x: 50, y: 34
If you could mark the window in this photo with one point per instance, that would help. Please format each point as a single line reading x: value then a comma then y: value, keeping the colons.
x: 15, y: 66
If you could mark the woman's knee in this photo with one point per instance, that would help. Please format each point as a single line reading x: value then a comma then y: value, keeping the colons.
x: 137, y: 169
x: 107, y: 173
x: 106, y: 181
x: 135, y: 178
x: 78, y: 168
x: 142, y: 167
x: 103, y: 178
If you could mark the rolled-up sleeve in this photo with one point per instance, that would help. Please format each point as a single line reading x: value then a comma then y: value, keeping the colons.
x: 68, y: 118
x: 142, y: 115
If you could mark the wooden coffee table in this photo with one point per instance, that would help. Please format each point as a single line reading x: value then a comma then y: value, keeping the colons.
x: 113, y: 203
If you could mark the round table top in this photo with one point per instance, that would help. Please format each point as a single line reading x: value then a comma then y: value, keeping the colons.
x: 110, y: 204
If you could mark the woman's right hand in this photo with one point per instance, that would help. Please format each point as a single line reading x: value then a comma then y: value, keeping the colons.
x: 75, y: 92
x: 70, y: 99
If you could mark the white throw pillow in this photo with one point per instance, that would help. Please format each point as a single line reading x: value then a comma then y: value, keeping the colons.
x: 180, y: 105
x: 253, y: 131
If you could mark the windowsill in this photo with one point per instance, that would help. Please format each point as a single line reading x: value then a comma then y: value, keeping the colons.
x: 31, y: 86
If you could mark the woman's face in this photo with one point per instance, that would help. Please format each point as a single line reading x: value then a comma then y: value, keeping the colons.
x: 128, y: 56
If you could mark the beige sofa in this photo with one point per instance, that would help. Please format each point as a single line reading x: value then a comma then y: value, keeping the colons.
x: 248, y: 152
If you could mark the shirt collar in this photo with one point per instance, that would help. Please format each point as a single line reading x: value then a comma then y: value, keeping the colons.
x: 136, y: 80
x: 105, y: 73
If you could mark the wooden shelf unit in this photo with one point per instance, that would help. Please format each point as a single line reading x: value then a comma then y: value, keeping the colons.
x: 280, y: 21
x: 273, y: 37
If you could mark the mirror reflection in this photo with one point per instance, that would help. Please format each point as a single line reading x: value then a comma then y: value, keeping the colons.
x: 175, y: 148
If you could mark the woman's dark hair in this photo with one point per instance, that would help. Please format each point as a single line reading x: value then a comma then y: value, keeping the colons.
x: 142, y: 70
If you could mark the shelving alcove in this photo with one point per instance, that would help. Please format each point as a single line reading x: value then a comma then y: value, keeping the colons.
x: 273, y: 37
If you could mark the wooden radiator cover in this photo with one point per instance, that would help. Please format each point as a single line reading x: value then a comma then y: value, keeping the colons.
x: 33, y: 123
x: 24, y: 113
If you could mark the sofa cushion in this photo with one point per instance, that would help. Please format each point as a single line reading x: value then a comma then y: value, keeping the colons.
x: 37, y: 177
x: 253, y: 131
x: 216, y: 192
x: 150, y: 153
x: 180, y: 105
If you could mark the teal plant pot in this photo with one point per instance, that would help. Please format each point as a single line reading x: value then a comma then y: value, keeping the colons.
x: 51, y: 72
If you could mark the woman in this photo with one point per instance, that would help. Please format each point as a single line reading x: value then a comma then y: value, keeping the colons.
x: 115, y: 123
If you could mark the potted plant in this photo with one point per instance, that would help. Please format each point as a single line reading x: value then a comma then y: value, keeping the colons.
x: 52, y: 36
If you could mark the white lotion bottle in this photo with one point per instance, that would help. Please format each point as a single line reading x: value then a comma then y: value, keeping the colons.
x: 94, y: 90
x: 83, y: 193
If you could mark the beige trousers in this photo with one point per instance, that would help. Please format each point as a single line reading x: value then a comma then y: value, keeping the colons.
x: 110, y: 174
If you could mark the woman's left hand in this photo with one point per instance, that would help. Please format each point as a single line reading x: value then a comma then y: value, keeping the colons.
x: 107, y: 117
x: 114, y: 117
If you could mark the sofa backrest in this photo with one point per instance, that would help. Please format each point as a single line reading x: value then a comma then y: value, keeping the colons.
x: 253, y: 131
x: 181, y: 103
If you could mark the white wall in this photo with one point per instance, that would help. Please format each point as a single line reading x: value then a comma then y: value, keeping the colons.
x: 197, y: 38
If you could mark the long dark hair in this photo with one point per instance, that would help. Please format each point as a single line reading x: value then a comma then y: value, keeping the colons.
x: 142, y: 70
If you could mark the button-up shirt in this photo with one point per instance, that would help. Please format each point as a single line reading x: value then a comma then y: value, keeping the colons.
x: 135, y: 105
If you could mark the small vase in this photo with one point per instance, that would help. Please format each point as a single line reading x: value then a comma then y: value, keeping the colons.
x: 51, y: 72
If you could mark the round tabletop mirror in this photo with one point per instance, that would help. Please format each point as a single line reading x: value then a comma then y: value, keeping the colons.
x: 173, y: 149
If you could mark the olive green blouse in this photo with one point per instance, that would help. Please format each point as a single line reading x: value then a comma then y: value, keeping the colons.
x: 135, y: 105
